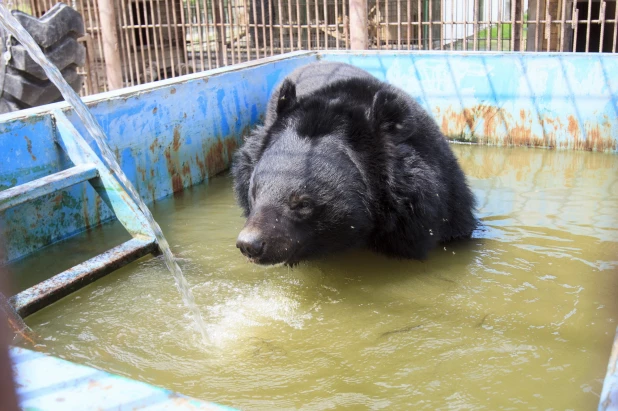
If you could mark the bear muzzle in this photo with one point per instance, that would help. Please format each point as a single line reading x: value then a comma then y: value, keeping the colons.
x: 251, y: 243
x: 265, y: 245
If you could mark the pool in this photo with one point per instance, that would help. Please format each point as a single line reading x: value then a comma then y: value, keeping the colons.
x: 522, y: 315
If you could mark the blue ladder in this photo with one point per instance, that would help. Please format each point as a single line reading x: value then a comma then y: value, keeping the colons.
x: 87, y: 166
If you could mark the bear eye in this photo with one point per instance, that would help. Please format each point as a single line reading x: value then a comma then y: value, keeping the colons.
x: 300, y: 204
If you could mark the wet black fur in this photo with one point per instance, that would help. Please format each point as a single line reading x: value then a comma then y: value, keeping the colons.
x: 375, y: 165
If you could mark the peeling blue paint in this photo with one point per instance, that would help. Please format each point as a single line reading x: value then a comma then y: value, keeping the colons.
x: 140, y: 136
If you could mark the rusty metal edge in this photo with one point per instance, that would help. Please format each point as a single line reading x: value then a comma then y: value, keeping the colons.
x: 20, y: 194
x: 59, y: 286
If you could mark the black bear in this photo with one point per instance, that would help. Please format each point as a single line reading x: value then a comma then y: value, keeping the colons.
x: 344, y: 160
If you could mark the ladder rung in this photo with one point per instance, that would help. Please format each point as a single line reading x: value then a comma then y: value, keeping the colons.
x: 20, y: 194
x: 63, y: 284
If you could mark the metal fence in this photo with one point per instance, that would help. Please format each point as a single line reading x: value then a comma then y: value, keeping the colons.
x: 159, y: 39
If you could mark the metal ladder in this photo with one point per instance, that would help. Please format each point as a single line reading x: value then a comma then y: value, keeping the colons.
x: 87, y: 166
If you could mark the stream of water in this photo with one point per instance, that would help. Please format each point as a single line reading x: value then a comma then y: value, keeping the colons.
x: 16, y: 30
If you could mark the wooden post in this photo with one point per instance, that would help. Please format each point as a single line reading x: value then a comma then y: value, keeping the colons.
x: 111, y: 51
x: 358, y: 25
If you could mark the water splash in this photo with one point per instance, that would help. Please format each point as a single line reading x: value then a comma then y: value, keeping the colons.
x: 17, y: 31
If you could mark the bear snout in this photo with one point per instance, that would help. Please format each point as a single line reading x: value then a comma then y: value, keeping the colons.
x: 268, y: 238
x: 251, y: 243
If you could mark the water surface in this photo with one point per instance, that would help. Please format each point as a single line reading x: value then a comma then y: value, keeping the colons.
x: 521, y: 317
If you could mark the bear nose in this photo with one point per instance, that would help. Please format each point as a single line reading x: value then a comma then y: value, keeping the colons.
x: 250, y: 243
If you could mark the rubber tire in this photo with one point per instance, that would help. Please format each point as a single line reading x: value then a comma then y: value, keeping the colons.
x: 24, y: 83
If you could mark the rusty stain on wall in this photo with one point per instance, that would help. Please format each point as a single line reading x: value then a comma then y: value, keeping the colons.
x: 29, y: 147
x: 171, y: 158
x: 218, y: 156
x: 202, y: 167
x: 215, y: 157
x: 486, y: 124
x: 176, y: 141
x: 97, y: 209
x: 85, y: 205
x: 154, y: 145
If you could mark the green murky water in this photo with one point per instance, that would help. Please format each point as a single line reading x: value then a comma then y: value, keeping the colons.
x: 520, y: 318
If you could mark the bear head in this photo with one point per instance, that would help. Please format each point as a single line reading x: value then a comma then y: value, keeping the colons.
x: 303, y: 181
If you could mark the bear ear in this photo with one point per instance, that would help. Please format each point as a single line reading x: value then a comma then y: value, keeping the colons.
x: 387, y: 112
x: 287, y: 96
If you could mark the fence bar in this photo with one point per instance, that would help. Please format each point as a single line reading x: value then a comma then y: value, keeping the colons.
x: 173, y: 61
x: 308, y: 10
x: 270, y: 22
x: 589, y: 16
x: 337, y: 24
x: 409, y: 21
x: 430, y: 17
x: 562, y: 23
x: 256, y: 39
x: 602, y: 18
x: 148, y: 48
x: 189, y: 20
x: 280, y: 15
x: 317, y: 25
x: 575, y: 25
x: 229, y: 31
x: 200, y: 35
x: 222, y: 33
x: 387, y: 40
x: 247, y: 30
x: 442, y: 28
x: 127, y: 68
x: 377, y: 23
x: 155, y: 42
x: 136, y: 58
x: 299, y: 33
x: 499, y: 29
x: 163, y: 58
x: 615, y: 28
x: 520, y: 28
x: 420, y: 25
x: 547, y: 26
x: 291, y: 26
x: 96, y: 34
x: 239, y: 29
x: 398, y: 24
x: 264, y: 37
x: 346, y: 24
x: 453, y: 26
